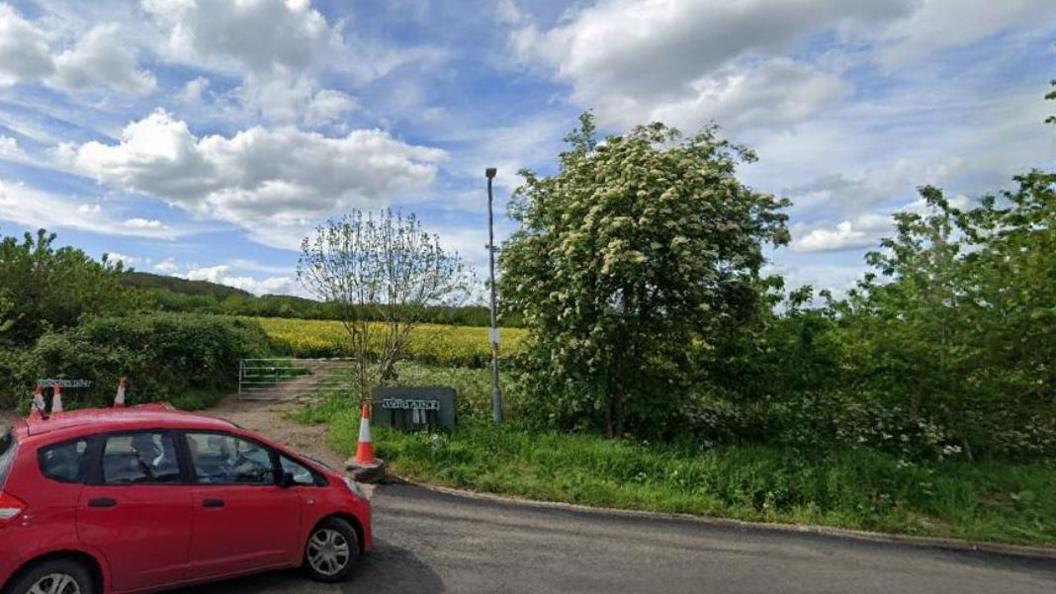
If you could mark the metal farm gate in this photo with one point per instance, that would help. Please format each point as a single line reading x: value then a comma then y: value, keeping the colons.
x: 284, y: 378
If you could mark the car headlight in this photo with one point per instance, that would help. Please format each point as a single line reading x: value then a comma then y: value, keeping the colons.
x: 354, y: 487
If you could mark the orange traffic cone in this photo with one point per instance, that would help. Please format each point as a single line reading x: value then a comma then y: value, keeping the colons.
x: 119, y: 400
x: 56, y: 400
x: 365, y: 447
x: 36, y: 412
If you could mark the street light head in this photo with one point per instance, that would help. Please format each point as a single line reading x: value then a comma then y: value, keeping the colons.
x: 489, y: 172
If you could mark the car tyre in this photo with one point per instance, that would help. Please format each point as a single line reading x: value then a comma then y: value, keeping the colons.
x: 331, y: 552
x: 62, y: 576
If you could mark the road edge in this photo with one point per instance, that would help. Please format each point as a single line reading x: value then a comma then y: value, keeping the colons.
x: 921, y: 542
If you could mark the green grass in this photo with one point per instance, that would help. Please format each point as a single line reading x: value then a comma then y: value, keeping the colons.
x: 848, y: 488
x: 473, y: 386
x: 854, y: 488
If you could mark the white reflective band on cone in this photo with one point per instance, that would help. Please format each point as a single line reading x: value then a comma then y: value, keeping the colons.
x: 364, y: 430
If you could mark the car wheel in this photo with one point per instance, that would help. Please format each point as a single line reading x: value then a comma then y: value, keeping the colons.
x: 332, y: 551
x: 61, y: 576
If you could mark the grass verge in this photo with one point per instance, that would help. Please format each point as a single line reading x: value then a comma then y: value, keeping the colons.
x: 858, y: 489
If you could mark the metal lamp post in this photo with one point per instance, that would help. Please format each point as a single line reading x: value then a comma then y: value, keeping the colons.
x: 496, y: 393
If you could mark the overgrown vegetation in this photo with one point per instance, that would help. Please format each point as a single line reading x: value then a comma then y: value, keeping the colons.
x: 64, y: 315
x: 636, y: 270
x: 187, y: 360
x: 855, y: 488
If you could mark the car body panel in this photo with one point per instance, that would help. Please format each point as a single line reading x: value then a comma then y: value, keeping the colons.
x: 145, y: 536
x: 257, y: 526
x: 143, y: 514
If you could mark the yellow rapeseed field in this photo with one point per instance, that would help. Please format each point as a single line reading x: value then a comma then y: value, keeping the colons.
x: 462, y: 346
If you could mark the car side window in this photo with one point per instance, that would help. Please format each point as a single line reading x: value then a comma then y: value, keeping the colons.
x: 220, y: 459
x: 64, y: 462
x: 137, y: 458
x: 301, y: 475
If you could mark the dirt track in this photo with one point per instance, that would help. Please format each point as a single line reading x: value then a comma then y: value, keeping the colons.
x: 270, y: 419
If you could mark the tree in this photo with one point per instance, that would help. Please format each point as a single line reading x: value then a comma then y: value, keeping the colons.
x: 956, y: 333
x: 636, y: 249
x: 380, y: 266
x: 44, y: 287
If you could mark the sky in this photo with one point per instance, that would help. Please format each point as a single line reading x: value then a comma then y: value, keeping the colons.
x: 206, y: 138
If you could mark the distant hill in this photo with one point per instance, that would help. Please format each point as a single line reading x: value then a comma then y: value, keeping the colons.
x: 173, y: 294
x: 146, y: 280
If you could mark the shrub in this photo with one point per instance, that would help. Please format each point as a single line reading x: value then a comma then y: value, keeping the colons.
x: 169, y: 357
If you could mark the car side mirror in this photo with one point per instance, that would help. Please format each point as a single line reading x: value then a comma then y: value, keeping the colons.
x: 286, y: 480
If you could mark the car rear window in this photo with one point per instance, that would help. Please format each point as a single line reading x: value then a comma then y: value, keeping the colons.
x: 64, y: 462
x: 7, y: 453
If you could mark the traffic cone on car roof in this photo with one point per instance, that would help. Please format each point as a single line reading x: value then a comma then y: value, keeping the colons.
x: 365, y: 467
x: 119, y: 400
x: 56, y: 399
x: 36, y: 411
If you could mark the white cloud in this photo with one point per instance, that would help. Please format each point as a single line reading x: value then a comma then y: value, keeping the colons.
x: 281, y: 281
x: 936, y: 24
x: 279, y: 96
x: 257, y: 35
x: 281, y: 177
x: 193, y: 89
x: 102, y: 58
x: 861, y: 232
x: 123, y: 258
x: 167, y: 266
x: 141, y: 223
x: 775, y: 92
x: 688, y: 60
x: 854, y: 192
x: 329, y: 106
x: 222, y: 275
x: 9, y: 148
x: 34, y: 208
x: 508, y: 13
x: 24, y: 54
x: 837, y: 278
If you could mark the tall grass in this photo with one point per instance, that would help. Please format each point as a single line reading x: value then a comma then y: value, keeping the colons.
x: 853, y: 488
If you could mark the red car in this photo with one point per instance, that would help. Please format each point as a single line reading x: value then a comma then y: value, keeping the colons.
x: 147, y: 498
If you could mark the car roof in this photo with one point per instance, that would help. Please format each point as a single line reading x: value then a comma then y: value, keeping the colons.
x: 102, y: 420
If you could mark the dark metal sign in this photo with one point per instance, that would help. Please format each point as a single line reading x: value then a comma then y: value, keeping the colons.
x: 410, y: 408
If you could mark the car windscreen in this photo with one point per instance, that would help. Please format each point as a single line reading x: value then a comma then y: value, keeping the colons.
x: 7, y: 453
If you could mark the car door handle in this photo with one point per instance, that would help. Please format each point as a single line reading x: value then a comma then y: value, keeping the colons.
x: 102, y: 502
x: 212, y: 503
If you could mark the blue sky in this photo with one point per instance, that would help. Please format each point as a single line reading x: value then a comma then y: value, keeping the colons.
x: 204, y: 138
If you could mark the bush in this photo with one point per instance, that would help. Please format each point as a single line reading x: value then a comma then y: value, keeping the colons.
x: 185, y: 359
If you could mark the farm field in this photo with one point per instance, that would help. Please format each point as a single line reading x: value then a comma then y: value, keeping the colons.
x: 457, y: 346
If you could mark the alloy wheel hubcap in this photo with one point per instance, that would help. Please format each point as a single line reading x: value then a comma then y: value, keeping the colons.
x: 55, y: 583
x: 328, y: 552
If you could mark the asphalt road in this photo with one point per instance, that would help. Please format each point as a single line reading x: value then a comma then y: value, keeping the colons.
x: 431, y: 542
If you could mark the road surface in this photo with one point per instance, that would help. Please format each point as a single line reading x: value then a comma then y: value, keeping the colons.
x: 430, y: 542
